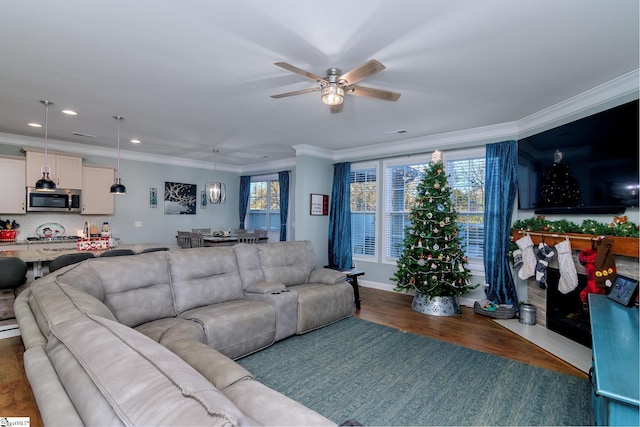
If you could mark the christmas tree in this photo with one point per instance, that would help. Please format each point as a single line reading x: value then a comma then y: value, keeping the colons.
x: 433, y: 261
x: 560, y: 187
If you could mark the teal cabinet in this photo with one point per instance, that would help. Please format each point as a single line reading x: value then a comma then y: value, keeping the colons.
x: 615, y: 373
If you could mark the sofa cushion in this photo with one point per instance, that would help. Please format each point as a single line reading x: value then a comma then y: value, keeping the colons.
x: 320, y: 304
x: 81, y: 276
x: 236, y: 328
x: 171, y: 329
x: 52, y: 302
x: 204, y: 276
x: 269, y: 407
x: 137, y: 288
x: 115, y: 375
x: 213, y: 365
x: 290, y: 263
x: 248, y: 263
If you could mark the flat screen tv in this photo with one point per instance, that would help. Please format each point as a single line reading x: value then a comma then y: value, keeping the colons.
x: 586, y: 166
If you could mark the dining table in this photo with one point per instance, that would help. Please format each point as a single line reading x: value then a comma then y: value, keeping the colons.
x: 230, y: 240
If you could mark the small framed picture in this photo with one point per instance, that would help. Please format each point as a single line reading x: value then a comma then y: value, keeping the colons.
x: 319, y: 204
x: 203, y: 200
x: 623, y: 290
x: 153, y: 197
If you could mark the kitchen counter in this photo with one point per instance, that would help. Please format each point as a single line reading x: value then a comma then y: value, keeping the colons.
x: 35, y: 253
x: 43, y: 253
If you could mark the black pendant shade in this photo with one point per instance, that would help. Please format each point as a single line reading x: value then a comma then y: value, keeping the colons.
x: 118, y: 187
x: 45, y: 183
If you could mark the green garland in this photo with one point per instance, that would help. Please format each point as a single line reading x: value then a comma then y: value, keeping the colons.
x: 620, y: 227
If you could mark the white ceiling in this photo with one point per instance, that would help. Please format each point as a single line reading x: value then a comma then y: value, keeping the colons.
x: 193, y: 75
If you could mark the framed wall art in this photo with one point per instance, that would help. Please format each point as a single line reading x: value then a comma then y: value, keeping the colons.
x: 203, y: 200
x: 319, y: 204
x: 153, y: 197
x: 180, y: 199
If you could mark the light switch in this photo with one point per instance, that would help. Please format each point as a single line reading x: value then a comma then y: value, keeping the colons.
x: 138, y: 224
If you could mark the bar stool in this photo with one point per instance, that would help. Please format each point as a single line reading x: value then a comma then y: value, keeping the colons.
x: 14, y: 273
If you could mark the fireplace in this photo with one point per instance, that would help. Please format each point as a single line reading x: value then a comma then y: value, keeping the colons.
x: 565, y: 313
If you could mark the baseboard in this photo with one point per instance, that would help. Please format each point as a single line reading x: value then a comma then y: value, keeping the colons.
x: 467, y: 302
x: 8, y: 331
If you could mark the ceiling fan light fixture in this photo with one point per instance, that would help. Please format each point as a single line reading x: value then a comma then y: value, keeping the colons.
x: 332, y: 95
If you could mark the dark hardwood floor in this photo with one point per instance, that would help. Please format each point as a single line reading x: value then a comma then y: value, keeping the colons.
x: 386, y: 308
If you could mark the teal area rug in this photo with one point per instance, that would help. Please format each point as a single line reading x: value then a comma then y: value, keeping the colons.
x: 358, y: 370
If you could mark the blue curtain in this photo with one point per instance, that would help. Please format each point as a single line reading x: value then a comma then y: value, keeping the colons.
x: 283, y: 180
x: 245, y: 190
x: 499, y: 197
x: 340, y: 218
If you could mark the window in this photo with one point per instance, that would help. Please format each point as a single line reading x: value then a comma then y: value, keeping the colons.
x: 264, y: 204
x: 363, y: 190
x: 401, y: 181
x: 466, y: 180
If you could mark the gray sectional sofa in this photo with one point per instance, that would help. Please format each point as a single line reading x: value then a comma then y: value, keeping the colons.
x: 150, y: 339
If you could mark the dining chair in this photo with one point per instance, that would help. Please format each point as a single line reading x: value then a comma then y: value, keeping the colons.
x: 248, y: 238
x: 201, y: 230
x: 197, y: 240
x: 184, y: 239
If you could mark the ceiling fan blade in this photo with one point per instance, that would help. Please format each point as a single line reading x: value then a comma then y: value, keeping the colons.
x: 301, y: 72
x: 368, y: 68
x: 336, y: 108
x: 297, y: 92
x: 384, y: 95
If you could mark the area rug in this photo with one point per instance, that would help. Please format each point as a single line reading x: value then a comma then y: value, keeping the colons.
x: 376, y: 375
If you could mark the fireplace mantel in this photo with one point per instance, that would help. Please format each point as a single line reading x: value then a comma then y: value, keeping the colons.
x: 626, y: 246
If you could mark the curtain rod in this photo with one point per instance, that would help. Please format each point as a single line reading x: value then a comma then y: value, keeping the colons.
x: 539, y: 233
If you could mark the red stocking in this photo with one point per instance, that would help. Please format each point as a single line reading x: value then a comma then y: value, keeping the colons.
x: 587, y: 258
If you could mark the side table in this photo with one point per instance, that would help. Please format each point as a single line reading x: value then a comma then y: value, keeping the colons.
x: 352, y: 277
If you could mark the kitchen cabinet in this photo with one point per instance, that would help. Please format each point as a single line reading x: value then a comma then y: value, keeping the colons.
x: 96, y: 185
x: 12, y: 177
x: 66, y: 170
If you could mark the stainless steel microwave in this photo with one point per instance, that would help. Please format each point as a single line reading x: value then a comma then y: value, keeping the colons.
x: 58, y: 200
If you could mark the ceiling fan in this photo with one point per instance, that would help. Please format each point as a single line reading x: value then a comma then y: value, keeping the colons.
x: 335, y: 85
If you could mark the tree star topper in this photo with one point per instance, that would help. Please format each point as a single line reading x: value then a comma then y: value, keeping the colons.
x: 436, y: 157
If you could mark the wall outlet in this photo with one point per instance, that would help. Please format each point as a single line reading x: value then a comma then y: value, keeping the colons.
x: 138, y: 224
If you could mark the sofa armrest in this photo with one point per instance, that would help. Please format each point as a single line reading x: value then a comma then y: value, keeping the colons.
x: 327, y: 276
x: 265, y: 288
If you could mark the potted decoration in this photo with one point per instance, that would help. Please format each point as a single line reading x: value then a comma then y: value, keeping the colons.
x: 433, y: 262
x: 8, y: 230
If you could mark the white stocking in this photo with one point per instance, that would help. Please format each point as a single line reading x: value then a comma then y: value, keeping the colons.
x: 528, y: 257
x: 568, y: 274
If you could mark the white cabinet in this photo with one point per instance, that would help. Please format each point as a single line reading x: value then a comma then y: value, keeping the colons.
x: 66, y: 171
x: 96, y: 185
x: 12, y: 173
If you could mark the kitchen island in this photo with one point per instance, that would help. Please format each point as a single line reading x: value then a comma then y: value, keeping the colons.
x: 35, y: 254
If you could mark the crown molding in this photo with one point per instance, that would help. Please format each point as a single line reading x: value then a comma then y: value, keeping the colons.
x: 311, y: 150
x: 615, y: 92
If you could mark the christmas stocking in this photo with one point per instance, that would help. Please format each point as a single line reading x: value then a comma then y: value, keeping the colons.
x: 588, y: 258
x: 605, y: 265
x: 517, y: 259
x: 528, y: 257
x: 568, y: 274
x: 545, y: 253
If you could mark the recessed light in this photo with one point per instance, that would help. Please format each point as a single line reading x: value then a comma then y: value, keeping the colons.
x: 70, y: 112
x: 34, y: 125
x: 135, y: 141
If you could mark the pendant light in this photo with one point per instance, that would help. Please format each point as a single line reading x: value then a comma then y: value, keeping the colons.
x: 117, y: 187
x: 45, y: 183
x: 216, y: 191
